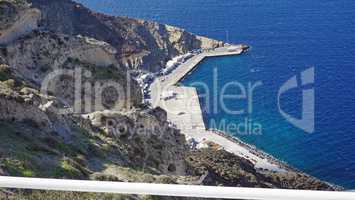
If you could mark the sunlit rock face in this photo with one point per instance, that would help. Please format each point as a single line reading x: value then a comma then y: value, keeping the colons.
x: 140, y: 44
x: 44, y: 134
x: 16, y: 21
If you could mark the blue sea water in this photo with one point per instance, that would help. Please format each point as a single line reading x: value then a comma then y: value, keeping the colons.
x: 286, y: 37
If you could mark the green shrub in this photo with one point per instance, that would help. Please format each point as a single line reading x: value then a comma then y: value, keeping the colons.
x: 17, y: 168
x: 166, y: 180
x: 4, y: 72
x: 58, y: 195
x: 65, y: 169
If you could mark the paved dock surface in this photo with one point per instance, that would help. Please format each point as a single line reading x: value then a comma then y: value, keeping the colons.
x: 185, y: 112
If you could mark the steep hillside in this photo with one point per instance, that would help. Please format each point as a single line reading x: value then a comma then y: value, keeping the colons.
x: 57, y: 131
x: 219, y: 167
x: 16, y: 21
x: 140, y: 44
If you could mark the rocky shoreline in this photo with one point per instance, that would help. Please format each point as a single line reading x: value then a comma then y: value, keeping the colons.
x: 40, y: 140
x: 269, y: 157
x: 185, y: 99
x: 252, y: 149
x: 256, y: 151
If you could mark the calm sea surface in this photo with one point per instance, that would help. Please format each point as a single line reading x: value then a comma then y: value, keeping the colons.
x: 287, y: 37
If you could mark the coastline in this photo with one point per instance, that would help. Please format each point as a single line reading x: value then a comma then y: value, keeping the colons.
x: 192, y: 124
x: 184, y: 110
x: 257, y: 151
x: 272, y: 158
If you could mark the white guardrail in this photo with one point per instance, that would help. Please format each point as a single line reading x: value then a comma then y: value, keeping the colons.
x: 170, y: 190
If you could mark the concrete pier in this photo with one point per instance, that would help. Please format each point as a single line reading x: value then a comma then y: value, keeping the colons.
x: 185, y: 112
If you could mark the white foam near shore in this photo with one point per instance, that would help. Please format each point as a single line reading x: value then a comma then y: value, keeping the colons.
x: 185, y: 112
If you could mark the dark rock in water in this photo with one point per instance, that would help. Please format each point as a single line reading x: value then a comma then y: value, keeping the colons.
x: 245, y: 47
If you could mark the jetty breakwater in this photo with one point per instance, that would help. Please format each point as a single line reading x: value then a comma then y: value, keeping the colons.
x: 184, y: 110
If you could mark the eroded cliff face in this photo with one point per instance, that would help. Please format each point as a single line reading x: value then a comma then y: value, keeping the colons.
x: 45, y: 60
x: 47, y: 137
x: 39, y: 141
x: 140, y: 44
x: 17, y: 21
x: 44, y: 135
x: 42, y: 141
x: 39, y: 56
x: 156, y: 143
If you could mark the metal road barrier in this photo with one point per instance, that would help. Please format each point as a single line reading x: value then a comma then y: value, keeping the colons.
x: 170, y: 190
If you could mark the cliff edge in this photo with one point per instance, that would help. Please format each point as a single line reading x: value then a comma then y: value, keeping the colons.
x: 44, y: 135
x: 141, y: 44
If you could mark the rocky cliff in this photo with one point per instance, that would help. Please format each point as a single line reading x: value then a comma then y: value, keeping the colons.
x: 16, y: 21
x: 58, y: 131
x: 140, y: 44
x: 218, y: 167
